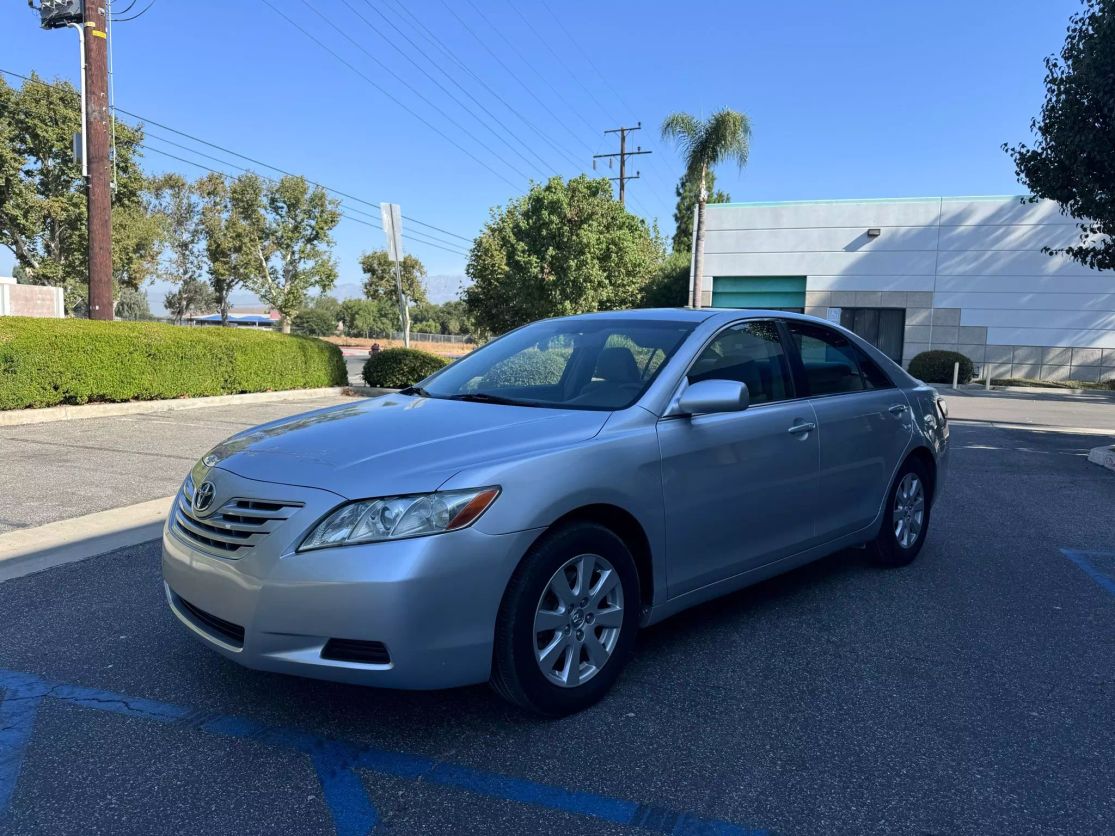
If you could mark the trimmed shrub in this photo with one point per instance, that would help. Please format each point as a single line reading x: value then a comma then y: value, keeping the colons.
x: 45, y: 362
x: 936, y: 366
x: 527, y: 368
x: 395, y: 368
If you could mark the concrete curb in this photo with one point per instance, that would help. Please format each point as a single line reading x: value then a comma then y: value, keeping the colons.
x: 28, y: 550
x: 1103, y: 456
x: 945, y: 388
x: 13, y: 417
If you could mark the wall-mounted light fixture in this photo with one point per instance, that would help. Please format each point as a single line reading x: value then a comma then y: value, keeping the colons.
x: 874, y: 232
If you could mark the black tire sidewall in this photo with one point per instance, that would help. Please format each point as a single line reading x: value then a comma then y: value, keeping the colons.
x: 515, y: 634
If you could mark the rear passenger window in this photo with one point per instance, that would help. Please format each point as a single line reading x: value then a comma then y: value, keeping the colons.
x: 832, y: 363
x: 751, y: 353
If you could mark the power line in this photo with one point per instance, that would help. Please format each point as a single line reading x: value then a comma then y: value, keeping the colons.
x: 417, y: 237
x: 449, y: 93
x: 528, y: 63
x: 253, y: 160
x: 417, y: 92
x: 429, y: 35
x: 146, y: 9
x: 512, y: 73
x: 559, y: 59
x: 393, y: 98
x: 413, y: 236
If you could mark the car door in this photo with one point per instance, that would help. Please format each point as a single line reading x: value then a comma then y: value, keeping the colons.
x: 864, y: 425
x: 739, y: 487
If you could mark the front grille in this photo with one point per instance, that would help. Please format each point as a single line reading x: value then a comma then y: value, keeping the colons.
x: 235, y: 527
x: 225, y: 630
x: 354, y: 650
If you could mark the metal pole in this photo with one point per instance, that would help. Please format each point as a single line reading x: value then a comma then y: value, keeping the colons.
x: 84, y: 133
x: 404, y: 312
x: 955, y: 374
x: 693, y: 254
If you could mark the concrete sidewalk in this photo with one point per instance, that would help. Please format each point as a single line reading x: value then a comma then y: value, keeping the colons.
x: 1051, y: 409
x: 69, y: 469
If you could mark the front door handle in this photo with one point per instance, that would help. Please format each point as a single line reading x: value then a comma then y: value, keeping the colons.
x: 898, y: 409
x: 798, y: 429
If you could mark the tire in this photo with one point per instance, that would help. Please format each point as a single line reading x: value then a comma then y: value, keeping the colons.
x: 893, y: 545
x: 599, y: 634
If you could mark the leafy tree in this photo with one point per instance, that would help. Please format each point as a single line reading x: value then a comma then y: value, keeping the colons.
x: 286, y: 234
x: 132, y: 305
x: 726, y: 135
x: 369, y: 317
x: 224, y: 233
x: 193, y: 296
x: 42, y: 196
x: 668, y: 285
x: 314, y: 322
x: 379, y: 277
x: 563, y: 248
x: 687, y: 191
x: 448, y: 318
x: 177, y: 203
x: 1073, y: 161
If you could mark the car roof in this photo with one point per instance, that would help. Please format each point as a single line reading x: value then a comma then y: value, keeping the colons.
x: 655, y: 314
x: 690, y: 314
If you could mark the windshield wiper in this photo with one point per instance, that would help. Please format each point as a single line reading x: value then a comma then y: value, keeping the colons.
x: 415, y: 390
x: 487, y: 397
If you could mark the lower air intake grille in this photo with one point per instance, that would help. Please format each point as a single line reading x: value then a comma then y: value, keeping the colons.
x: 225, y: 630
x: 353, y: 650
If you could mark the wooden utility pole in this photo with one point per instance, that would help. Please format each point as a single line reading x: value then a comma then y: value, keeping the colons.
x: 623, y: 155
x: 99, y: 184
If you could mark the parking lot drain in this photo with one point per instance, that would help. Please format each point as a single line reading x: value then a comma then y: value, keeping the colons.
x: 335, y: 761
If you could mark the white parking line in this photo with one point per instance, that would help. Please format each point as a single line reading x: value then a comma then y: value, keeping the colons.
x: 28, y: 550
x: 1037, y: 428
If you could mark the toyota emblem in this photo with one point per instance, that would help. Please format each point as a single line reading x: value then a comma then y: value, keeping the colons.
x: 203, y: 497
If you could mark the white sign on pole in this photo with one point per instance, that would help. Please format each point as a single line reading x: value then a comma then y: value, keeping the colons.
x: 834, y: 315
x: 393, y: 229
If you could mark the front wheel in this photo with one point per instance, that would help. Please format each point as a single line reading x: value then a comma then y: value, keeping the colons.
x: 568, y: 620
x: 906, y: 521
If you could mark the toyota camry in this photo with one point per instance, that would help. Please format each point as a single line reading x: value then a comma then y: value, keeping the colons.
x: 518, y: 516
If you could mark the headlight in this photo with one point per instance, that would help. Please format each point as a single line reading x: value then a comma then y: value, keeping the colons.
x: 399, y: 517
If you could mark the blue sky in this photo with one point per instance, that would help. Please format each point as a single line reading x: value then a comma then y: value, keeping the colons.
x: 871, y: 98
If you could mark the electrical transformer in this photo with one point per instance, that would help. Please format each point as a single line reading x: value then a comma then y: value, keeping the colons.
x: 56, y: 13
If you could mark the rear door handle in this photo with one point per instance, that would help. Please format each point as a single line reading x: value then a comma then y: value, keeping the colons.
x: 898, y: 409
x: 798, y: 429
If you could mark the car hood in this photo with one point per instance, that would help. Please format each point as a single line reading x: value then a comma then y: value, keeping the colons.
x: 395, y: 444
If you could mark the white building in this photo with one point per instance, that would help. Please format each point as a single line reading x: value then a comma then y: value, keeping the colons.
x: 959, y: 273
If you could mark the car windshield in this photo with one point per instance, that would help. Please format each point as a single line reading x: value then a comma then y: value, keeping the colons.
x: 595, y: 363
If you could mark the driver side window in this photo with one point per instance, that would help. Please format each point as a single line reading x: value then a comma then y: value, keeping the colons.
x: 751, y: 353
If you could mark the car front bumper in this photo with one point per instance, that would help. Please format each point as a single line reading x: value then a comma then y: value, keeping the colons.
x: 431, y: 601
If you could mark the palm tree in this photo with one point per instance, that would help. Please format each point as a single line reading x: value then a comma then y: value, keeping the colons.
x: 726, y: 135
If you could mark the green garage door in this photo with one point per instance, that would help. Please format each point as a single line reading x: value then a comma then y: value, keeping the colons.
x: 758, y: 292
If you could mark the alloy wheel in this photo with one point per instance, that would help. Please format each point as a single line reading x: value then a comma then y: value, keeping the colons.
x: 578, y: 620
x: 909, y: 510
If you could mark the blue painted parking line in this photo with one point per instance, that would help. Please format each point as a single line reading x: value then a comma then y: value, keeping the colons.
x: 1099, y: 566
x: 335, y: 761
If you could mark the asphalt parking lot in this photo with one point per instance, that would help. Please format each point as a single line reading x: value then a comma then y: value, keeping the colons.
x: 969, y: 693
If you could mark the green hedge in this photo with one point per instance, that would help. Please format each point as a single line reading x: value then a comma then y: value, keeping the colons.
x: 936, y: 366
x: 395, y: 368
x: 44, y: 362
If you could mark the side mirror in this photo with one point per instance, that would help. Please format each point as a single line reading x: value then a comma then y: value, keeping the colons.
x: 708, y: 396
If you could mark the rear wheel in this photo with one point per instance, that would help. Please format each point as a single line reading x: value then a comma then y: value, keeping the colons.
x: 906, y: 521
x: 568, y: 620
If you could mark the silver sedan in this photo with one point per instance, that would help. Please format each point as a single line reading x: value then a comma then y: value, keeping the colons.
x: 518, y: 516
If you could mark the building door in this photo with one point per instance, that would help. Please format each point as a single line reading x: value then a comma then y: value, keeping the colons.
x: 882, y: 327
x: 782, y: 293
